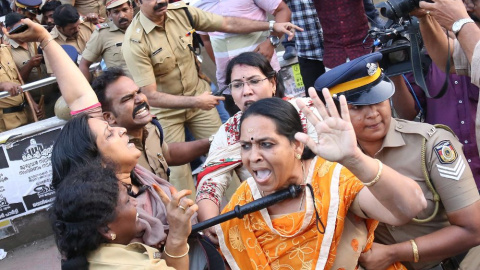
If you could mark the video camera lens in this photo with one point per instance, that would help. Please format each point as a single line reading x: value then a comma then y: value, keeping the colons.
x: 396, y: 9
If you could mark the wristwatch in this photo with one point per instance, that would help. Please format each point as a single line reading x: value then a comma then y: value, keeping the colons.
x: 457, y: 26
x: 270, y: 26
x: 274, y: 40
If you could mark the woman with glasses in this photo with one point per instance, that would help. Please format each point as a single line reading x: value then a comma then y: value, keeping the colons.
x: 250, y: 78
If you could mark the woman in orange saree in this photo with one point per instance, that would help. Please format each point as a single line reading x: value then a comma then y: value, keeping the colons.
x: 332, y: 221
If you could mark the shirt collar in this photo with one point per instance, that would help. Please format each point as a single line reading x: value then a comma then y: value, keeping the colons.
x: 56, y: 34
x: 393, y: 138
x: 113, y: 27
x: 13, y: 43
x: 146, y: 23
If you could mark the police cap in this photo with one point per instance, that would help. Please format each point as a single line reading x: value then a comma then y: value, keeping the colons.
x: 32, y: 6
x: 114, y: 3
x: 361, y: 81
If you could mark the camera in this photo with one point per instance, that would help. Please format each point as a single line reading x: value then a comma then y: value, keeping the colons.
x: 395, y: 46
x: 395, y: 9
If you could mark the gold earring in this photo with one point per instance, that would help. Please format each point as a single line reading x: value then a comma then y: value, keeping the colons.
x: 298, y: 156
x: 113, y: 236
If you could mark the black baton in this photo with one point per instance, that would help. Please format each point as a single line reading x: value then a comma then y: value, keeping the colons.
x: 240, y: 210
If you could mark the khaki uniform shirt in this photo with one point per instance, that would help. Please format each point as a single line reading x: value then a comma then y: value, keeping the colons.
x: 88, y: 6
x: 21, y: 56
x: 152, y: 157
x: 134, y: 256
x: 8, y: 73
x: 79, y: 43
x: 106, y: 42
x: 448, y: 170
x: 160, y: 53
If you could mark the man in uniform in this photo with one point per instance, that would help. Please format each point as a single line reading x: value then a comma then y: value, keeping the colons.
x: 12, y: 109
x: 431, y: 155
x: 69, y: 29
x: 47, y: 13
x: 106, y: 41
x: 28, y: 62
x: 124, y: 105
x: 157, y: 52
x: 28, y: 8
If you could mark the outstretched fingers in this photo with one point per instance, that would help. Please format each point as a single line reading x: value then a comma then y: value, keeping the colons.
x: 344, y: 109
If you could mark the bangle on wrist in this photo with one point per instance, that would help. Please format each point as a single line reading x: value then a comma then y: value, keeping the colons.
x: 377, y: 177
x: 416, y: 256
x: 44, y: 43
x: 179, y: 256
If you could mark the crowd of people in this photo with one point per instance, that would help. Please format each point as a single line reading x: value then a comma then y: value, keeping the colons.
x: 375, y: 190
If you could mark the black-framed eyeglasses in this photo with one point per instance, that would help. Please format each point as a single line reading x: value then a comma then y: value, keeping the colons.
x: 238, y: 85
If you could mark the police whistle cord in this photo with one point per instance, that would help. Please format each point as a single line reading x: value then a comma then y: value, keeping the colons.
x: 240, y: 210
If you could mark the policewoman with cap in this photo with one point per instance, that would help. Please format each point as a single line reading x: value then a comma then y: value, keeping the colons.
x: 432, y: 156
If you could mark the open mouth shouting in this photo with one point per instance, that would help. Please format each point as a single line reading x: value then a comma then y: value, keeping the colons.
x: 262, y: 175
x: 141, y: 111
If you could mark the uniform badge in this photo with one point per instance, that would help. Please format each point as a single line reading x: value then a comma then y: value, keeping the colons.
x: 445, y: 152
x: 452, y: 173
x: 372, y: 68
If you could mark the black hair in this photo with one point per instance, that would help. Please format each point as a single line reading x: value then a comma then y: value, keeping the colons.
x: 283, y: 114
x: 75, y: 146
x: 254, y: 59
x: 101, y: 83
x: 65, y: 15
x: 50, y: 6
x: 83, y: 205
x: 12, y: 18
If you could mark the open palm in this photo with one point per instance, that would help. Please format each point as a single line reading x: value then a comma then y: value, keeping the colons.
x: 336, y: 137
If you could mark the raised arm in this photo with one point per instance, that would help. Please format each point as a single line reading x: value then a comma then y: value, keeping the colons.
x: 392, y: 202
x: 74, y: 87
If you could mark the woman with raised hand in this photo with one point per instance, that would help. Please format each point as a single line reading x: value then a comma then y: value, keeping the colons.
x: 88, y: 137
x: 345, y: 192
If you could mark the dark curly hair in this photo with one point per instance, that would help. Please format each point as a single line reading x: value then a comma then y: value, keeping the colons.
x: 283, y: 114
x: 75, y: 146
x: 254, y: 59
x: 84, y: 205
x: 101, y: 83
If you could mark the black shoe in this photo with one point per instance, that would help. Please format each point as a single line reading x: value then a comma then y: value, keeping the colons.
x: 290, y: 52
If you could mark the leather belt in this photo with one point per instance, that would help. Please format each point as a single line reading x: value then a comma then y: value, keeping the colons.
x: 15, y: 109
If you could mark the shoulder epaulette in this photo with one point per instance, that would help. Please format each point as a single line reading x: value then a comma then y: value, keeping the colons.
x: 99, y: 26
x: 177, y: 5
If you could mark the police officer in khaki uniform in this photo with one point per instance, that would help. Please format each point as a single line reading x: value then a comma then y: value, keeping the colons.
x: 28, y: 8
x: 70, y: 30
x: 12, y: 109
x: 157, y: 52
x: 106, y: 41
x: 450, y: 224
x: 124, y: 105
x: 30, y: 67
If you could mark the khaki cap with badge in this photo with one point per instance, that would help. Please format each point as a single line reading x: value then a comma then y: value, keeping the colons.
x: 114, y: 3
